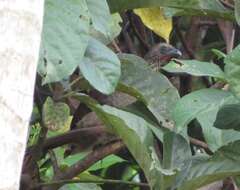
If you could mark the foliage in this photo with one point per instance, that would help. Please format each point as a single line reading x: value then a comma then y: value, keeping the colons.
x: 195, y: 68
x: 232, y: 70
x: 62, y: 31
x: 185, y: 7
x: 105, y: 119
x: 55, y: 115
x: 154, y: 19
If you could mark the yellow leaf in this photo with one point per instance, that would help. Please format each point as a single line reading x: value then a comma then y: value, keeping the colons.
x: 154, y: 19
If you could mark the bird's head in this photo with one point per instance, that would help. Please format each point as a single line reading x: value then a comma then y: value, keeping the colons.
x: 162, y: 53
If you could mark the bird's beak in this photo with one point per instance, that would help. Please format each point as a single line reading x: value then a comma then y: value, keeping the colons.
x: 174, y: 53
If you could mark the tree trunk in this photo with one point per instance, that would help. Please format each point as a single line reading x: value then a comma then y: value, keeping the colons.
x: 20, y: 34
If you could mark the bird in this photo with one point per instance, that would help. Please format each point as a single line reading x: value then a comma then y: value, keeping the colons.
x: 160, y: 54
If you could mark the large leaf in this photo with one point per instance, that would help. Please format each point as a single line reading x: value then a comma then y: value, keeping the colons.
x: 189, y: 7
x: 224, y: 163
x: 100, y: 15
x: 188, y: 107
x: 228, y: 117
x: 232, y: 70
x: 176, y: 151
x: 101, y: 67
x: 215, y: 138
x: 152, y: 88
x: 194, y: 67
x: 204, y: 105
x: 64, y: 38
x: 138, y: 108
x: 135, y: 133
x: 115, y: 29
x: 237, y: 11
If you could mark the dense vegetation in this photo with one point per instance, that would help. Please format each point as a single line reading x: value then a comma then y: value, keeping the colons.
x: 103, y: 118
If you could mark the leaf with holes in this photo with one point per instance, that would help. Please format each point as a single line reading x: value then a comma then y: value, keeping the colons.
x: 55, y: 115
x: 100, y: 15
x: 64, y: 38
x: 115, y: 29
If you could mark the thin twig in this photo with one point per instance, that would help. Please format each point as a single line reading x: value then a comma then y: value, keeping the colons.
x: 54, y: 161
x: 75, y: 81
x: 183, y: 41
x: 126, y: 36
x: 129, y: 42
x: 138, y: 35
x: 92, y: 158
x: 204, y: 23
x: 85, y: 163
x: 114, y: 43
x: 199, y: 143
x: 73, y: 136
x: 227, y: 5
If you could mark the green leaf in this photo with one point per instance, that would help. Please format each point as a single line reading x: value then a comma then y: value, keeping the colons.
x: 215, y: 137
x: 101, y: 67
x: 106, y: 162
x: 237, y: 11
x: 64, y: 38
x: 135, y: 133
x: 34, y: 134
x: 224, y: 163
x: 204, y: 105
x: 237, y: 180
x: 189, y: 106
x: 150, y: 87
x: 55, y: 115
x: 100, y: 15
x: 71, y: 159
x: 139, y: 109
x: 82, y: 186
x: 115, y: 30
x: 87, y: 176
x: 218, y: 53
x: 176, y: 151
x: 189, y: 7
x: 232, y: 70
x: 228, y: 117
x: 195, y: 68
x: 115, y: 26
